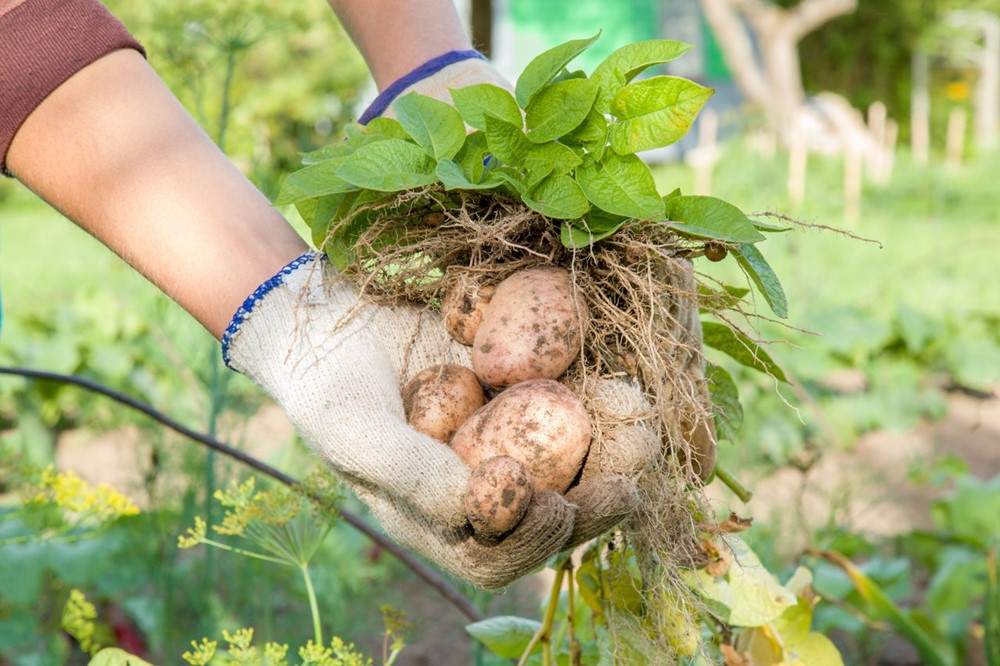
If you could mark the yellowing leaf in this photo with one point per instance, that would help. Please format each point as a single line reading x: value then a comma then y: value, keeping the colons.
x: 654, y: 112
x: 626, y: 63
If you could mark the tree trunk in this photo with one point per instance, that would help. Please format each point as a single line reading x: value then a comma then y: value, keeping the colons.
x: 769, y: 75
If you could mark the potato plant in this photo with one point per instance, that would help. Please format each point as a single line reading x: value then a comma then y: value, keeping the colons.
x: 552, y: 166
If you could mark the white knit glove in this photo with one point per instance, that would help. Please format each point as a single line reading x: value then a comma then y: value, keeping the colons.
x: 336, y: 363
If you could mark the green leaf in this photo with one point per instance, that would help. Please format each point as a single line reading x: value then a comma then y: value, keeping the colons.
x: 708, y: 217
x: 534, y: 161
x: 629, y: 61
x: 505, y: 635
x: 451, y: 175
x: 880, y: 607
x: 768, y: 227
x: 315, y: 180
x: 622, y: 185
x: 472, y: 156
x: 592, y: 134
x: 763, y: 277
x: 506, y: 141
x: 559, y: 108
x: 387, y: 127
x: 113, y: 656
x: 546, y: 66
x: 339, y: 149
x: 388, y: 166
x: 559, y: 197
x: 597, y: 225
x: 741, y: 348
x: 434, y: 125
x: 324, y: 210
x: 726, y: 399
x: 476, y: 102
x: 654, y: 112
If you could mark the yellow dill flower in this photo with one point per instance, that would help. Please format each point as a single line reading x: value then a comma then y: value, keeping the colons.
x: 194, y: 535
x: 202, y: 654
x: 101, y: 504
x: 78, y: 621
x: 275, y: 653
x: 240, y: 647
x: 314, y: 654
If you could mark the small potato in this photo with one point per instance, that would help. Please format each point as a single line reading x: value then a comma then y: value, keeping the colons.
x: 498, y: 495
x: 439, y: 399
x: 462, y: 309
x: 539, y: 423
x: 532, y: 328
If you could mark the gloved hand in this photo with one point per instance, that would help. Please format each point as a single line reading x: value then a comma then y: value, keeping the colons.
x: 336, y: 363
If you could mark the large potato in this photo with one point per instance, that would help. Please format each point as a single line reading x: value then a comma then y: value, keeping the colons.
x: 499, y: 492
x: 539, y: 423
x: 439, y: 399
x: 532, y: 328
x: 462, y: 308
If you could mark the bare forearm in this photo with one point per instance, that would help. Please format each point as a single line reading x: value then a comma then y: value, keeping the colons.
x: 114, y: 151
x: 396, y: 37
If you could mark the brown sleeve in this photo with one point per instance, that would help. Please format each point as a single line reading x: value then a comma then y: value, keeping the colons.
x: 43, y: 43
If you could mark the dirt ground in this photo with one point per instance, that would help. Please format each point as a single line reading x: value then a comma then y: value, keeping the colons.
x: 865, y: 488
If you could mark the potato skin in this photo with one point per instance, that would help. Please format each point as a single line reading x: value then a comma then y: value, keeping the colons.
x: 462, y: 309
x: 532, y: 328
x: 440, y: 398
x: 498, y: 495
x: 539, y: 423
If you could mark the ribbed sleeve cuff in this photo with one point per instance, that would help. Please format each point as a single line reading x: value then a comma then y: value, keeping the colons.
x: 43, y: 43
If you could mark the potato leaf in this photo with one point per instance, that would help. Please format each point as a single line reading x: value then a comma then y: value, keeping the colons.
x: 763, y: 277
x: 629, y: 61
x: 435, y: 126
x: 474, y: 102
x: 451, y: 175
x: 509, y: 144
x: 708, y: 217
x: 315, y: 180
x: 620, y: 184
x: 473, y: 156
x: 726, y: 399
x: 388, y: 127
x: 597, y: 225
x: 741, y: 348
x: 546, y: 66
x: 558, y: 197
x: 559, y: 108
x: 505, y: 635
x: 388, y: 166
x: 591, y: 134
x: 654, y: 112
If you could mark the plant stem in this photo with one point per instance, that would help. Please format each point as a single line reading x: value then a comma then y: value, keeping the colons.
x: 543, y: 633
x: 240, y: 551
x: 574, y: 645
x: 738, y: 489
x: 313, y: 606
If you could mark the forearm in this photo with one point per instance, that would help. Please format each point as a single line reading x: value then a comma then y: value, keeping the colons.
x: 114, y: 151
x: 396, y: 37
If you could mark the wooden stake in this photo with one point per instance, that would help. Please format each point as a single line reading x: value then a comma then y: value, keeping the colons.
x: 876, y: 126
x: 955, y: 138
x: 798, y: 158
